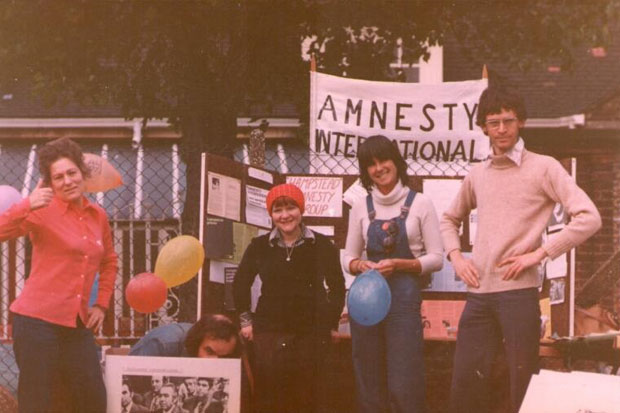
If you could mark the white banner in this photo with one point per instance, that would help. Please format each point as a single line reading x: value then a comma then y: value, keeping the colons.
x: 429, y: 122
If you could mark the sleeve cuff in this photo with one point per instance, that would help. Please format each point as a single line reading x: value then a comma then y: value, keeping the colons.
x: 245, y: 319
x: 557, y: 247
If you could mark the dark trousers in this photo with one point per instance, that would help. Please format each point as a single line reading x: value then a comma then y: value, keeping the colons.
x: 288, y: 372
x: 48, y: 356
x: 488, y: 320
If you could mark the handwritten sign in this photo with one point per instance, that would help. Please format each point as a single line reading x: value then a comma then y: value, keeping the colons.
x: 323, y: 195
x: 427, y: 122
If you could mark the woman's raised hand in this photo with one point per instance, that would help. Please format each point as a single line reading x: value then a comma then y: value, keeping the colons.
x: 41, y: 196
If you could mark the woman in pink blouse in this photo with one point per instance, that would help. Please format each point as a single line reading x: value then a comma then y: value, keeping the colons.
x: 52, y: 324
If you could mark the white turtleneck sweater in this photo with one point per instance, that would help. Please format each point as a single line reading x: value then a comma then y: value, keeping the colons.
x: 422, y: 227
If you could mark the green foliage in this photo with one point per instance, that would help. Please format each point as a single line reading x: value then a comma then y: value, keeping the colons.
x: 168, y: 59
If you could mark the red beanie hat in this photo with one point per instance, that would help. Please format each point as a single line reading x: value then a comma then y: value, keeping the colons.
x: 288, y: 190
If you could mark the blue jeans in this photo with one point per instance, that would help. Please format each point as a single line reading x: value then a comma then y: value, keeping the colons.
x: 388, y: 357
x: 488, y: 320
x: 48, y: 355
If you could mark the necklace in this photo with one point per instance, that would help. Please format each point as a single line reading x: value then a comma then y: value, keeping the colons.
x: 289, y: 252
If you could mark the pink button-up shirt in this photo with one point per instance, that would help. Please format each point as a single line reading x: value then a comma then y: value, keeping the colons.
x: 70, y: 244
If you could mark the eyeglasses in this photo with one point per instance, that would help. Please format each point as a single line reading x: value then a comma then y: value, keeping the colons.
x: 389, y: 242
x: 495, y: 123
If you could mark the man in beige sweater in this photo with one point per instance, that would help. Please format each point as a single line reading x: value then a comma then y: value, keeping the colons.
x: 515, y: 192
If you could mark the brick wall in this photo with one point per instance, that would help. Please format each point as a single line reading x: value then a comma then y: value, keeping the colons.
x: 599, y: 176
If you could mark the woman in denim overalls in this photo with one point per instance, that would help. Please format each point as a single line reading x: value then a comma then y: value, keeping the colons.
x: 399, y: 231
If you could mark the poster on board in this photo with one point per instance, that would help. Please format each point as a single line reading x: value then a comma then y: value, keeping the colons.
x: 224, y: 196
x: 255, y: 211
x: 323, y: 195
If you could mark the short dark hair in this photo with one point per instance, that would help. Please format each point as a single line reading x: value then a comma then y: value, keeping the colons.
x: 216, y: 326
x: 57, y: 149
x: 172, y: 386
x: 207, y: 379
x: 495, y: 98
x: 126, y: 383
x: 381, y: 148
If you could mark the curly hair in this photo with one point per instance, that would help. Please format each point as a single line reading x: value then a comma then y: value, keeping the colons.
x: 381, y: 148
x: 214, y: 326
x: 57, y: 149
x: 495, y: 98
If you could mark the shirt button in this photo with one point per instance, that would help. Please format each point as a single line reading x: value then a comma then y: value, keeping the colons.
x: 84, y: 237
x: 79, y: 296
x: 85, y: 257
x: 82, y: 275
x: 80, y: 218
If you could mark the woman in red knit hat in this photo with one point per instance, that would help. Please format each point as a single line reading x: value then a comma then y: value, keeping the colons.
x: 295, y: 315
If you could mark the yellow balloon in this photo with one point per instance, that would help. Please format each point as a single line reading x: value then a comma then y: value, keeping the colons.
x: 179, y: 260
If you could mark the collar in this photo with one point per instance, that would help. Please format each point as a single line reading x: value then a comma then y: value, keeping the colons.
x: 63, y: 206
x: 394, y: 196
x: 275, y: 238
x: 515, y: 154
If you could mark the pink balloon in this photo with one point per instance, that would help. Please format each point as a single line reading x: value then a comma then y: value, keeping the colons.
x: 8, y: 197
x: 103, y: 176
x: 146, y: 292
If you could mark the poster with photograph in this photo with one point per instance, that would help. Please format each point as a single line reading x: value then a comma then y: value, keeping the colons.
x: 224, y: 196
x: 556, y: 290
x: 557, y: 219
x: 323, y: 195
x: 163, y: 383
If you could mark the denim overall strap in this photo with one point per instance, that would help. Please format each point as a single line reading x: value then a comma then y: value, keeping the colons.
x: 388, y: 357
x: 404, y: 210
x: 376, y: 233
x: 371, y: 208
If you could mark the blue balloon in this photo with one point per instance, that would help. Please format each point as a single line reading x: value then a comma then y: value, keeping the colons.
x: 369, y: 298
x: 8, y: 197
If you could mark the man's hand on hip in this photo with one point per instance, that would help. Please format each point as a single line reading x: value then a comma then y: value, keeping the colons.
x: 465, y: 269
x: 519, y: 263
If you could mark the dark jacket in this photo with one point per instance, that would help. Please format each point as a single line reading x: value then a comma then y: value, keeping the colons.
x: 293, y: 295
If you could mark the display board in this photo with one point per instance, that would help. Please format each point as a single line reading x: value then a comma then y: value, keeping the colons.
x: 242, y: 188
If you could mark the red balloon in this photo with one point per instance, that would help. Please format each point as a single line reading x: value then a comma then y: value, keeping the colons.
x: 146, y: 292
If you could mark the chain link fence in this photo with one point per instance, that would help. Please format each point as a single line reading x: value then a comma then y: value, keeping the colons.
x: 144, y: 214
x: 298, y: 159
